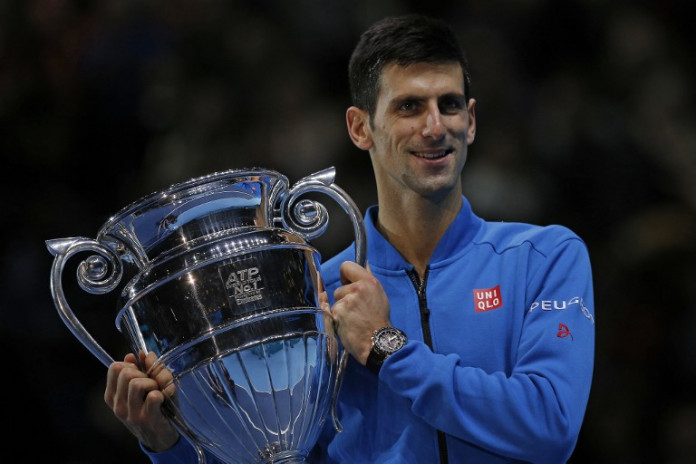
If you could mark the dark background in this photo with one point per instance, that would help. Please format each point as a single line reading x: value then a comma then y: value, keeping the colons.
x: 586, y: 117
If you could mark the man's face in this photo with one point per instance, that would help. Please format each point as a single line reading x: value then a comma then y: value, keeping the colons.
x: 421, y: 129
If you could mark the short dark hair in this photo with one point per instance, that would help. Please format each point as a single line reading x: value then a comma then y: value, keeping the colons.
x: 403, y: 40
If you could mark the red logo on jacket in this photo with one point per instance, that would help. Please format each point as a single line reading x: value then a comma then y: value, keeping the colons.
x: 564, y: 331
x: 486, y: 299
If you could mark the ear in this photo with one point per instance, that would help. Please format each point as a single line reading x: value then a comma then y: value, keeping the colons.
x: 359, y: 127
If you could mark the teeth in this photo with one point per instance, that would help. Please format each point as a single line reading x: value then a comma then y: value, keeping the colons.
x: 438, y: 154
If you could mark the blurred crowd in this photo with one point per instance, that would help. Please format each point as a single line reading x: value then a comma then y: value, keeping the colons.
x: 586, y: 117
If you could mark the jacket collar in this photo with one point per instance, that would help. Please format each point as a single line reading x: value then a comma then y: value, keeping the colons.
x: 457, y: 237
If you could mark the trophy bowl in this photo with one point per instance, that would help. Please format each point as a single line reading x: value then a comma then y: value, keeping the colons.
x: 225, y: 294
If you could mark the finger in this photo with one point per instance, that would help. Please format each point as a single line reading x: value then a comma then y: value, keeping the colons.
x: 353, y: 277
x: 145, y: 360
x: 112, y: 382
x: 139, y: 390
x: 118, y: 386
x: 160, y: 373
x: 351, y: 271
x: 112, y: 379
x: 126, y: 376
x: 164, y: 379
x: 148, y: 359
x: 153, y: 403
x: 342, y: 296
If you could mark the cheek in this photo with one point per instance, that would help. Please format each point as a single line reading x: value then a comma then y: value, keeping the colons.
x: 463, y: 132
x: 401, y: 132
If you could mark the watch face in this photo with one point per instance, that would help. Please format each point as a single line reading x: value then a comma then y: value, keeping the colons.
x: 389, y: 339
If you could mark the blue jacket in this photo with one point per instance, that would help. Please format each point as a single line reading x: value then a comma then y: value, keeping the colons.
x: 506, y: 374
x: 499, y: 361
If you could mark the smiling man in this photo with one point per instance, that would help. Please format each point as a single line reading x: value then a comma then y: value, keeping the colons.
x: 471, y: 341
x: 449, y: 363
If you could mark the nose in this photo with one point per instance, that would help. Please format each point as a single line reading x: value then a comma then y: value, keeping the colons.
x: 433, y: 124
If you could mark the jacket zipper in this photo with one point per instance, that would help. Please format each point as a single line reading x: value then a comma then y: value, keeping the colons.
x: 428, y: 339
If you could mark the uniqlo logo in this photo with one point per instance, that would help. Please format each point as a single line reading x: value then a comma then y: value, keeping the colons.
x: 486, y: 299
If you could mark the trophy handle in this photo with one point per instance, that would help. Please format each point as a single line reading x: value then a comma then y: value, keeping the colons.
x: 93, y: 277
x: 310, y: 219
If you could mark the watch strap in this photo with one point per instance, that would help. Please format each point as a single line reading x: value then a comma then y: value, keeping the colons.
x: 375, y: 360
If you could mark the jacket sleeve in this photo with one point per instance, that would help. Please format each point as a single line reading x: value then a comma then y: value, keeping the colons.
x: 181, y: 453
x: 534, y: 412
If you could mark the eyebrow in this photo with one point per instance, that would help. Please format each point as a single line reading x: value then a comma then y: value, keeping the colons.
x: 453, y: 95
x: 407, y: 98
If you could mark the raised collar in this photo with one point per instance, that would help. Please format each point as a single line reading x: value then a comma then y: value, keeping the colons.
x: 457, y: 237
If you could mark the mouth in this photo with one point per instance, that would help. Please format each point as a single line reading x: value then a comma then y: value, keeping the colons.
x: 432, y: 154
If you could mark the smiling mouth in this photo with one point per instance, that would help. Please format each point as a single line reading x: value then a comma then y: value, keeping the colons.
x: 432, y: 155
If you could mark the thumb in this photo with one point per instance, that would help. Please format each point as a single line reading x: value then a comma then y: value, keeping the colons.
x: 352, y: 271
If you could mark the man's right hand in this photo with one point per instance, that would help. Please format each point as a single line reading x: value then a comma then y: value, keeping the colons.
x: 361, y: 306
x: 136, y: 400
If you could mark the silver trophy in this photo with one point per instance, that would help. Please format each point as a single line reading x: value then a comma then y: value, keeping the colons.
x: 224, y: 292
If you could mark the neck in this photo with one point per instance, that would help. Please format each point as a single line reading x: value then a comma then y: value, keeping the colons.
x: 414, y: 225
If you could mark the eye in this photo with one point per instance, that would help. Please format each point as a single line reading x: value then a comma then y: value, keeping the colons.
x: 451, y: 104
x: 408, y: 106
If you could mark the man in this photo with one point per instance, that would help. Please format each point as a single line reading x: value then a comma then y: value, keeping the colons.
x: 470, y: 341
x: 498, y: 360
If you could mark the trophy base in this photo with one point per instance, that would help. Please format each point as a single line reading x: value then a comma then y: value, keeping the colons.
x: 286, y: 460
x: 288, y: 457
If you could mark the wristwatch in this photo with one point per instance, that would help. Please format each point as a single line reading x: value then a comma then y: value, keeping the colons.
x: 385, y: 342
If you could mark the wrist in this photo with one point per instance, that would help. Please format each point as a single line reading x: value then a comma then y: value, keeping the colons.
x: 160, y: 442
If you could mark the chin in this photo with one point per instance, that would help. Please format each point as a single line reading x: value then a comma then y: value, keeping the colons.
x: 437, y: 189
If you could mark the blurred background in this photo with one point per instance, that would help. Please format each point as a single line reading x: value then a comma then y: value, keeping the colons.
x: 586, y: 117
